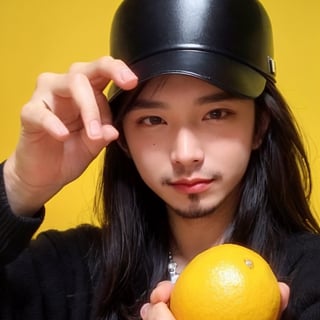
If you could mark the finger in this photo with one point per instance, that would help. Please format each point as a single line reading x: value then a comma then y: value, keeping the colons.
x: 104, y: 108
x: 55, y: 83
x: 162, y: 292
x: 37, y: 117
x: 158, y: 311
x: 94, y: 109
x: 285, y: 294
x: 108, y: 131
x: 84, y: 97
x: 101, y: 71
x: 93, y: 104
x: 76, y: 87
x: 145, y: 310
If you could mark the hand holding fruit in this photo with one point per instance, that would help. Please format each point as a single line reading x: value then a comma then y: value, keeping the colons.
x: 203, y: 273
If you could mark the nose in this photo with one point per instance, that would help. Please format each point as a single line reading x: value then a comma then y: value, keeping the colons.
x: 186, y: 149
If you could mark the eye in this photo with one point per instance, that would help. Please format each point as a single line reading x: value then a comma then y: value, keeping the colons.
x: 217, y: 114
x: 152, y: 121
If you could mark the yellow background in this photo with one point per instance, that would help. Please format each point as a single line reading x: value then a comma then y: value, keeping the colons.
x: 43, y: 35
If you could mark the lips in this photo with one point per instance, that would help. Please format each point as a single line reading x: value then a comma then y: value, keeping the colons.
x: 192, y: 186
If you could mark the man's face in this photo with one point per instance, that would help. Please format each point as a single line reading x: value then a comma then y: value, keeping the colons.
x: 191, y: 143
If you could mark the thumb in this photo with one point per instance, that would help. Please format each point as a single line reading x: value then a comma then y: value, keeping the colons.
x: 285, y: 294
x: 162, y: 292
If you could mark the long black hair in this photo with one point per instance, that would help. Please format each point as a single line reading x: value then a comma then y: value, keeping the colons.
x: 135, y: 233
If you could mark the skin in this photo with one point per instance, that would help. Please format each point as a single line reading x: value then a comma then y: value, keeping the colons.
x: 200, y: 139
x: 65, y: 125
x: 67, y: 122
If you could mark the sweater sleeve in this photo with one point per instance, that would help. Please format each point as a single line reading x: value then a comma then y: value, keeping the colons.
x: 54, y: 278
x: 15, y: 231
x: 51, y: 277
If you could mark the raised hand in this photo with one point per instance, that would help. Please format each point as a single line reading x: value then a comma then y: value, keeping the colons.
x: 65, y: 125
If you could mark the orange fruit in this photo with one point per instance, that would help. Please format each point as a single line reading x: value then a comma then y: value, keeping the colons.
x: 226, y: 282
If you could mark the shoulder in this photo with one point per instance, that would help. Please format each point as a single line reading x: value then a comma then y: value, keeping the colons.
x: 72, y: 254
x: 82, y: 232
x: 57, y: 251
x: 302, y: 244
x: 76, y: 251
x: 300, y: 269
x: 300, y: 251
x: 59, y: 268
x: 78, y: 241
x: 303, y: 241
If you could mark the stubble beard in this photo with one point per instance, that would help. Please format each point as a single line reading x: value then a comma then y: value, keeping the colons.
x: 194, y: 211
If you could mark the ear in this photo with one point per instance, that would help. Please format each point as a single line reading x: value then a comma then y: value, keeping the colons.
x: 261, y: 127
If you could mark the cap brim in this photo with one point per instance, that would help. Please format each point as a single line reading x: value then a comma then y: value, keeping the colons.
x: 217, y: 69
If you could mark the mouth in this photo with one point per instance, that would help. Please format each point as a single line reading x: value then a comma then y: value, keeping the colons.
x: 192, y: 186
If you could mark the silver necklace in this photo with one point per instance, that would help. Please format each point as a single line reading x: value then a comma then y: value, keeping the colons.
x: 172, y: 269
x: 172, y: 265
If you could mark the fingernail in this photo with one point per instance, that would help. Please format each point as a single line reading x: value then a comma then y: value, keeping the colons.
x: 61, y: 130
x: 144, y: 309
x: 95, y: 128
x: 110, y: 132
x: 127, y: 75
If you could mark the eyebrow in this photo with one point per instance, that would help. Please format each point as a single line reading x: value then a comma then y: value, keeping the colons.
x: 217, y: 97
x: 141, y: 103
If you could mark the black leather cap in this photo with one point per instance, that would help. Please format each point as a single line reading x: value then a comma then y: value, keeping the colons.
x: 225, y: 42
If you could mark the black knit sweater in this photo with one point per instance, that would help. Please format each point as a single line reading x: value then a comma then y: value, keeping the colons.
x: 56, y: 276
x: 52, y: 277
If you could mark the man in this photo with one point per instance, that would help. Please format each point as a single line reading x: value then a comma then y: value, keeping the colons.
x: 201, y: 150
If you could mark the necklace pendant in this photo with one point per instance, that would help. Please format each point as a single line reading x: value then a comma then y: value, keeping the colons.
x: 174, y: 277
x: 172, y: 266
x: 172, y: 269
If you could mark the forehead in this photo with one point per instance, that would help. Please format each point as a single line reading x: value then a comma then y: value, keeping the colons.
x: 187, y: 88
x: 175, y: 82
x: 171, y: 90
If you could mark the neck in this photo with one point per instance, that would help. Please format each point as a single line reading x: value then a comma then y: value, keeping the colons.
x: 192, y: 236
